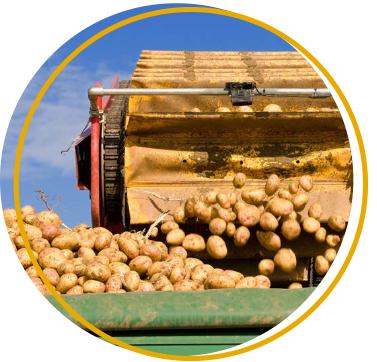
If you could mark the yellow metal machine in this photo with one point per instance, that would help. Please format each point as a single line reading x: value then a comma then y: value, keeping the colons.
x: 158, y: 150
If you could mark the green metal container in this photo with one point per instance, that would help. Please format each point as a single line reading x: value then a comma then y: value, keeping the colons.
x: 186, y: 323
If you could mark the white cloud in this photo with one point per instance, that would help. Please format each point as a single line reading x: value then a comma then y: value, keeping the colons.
x: 59, y: 118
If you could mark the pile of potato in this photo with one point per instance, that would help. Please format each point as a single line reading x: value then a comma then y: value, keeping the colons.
x: 93, y: 260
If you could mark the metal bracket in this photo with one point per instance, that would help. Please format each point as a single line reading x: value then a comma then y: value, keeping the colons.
x: 241, y: 93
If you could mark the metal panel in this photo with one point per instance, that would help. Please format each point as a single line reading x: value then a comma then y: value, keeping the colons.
x: 233, y: 308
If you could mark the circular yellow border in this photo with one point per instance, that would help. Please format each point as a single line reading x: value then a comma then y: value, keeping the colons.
x: 173, y: 11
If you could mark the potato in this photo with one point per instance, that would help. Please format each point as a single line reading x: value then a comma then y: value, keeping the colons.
x: 66, y: 241
x: 269, y: 240
x: 293, y: 187
x: 272, y: 185
x: 202, y: 211
x: 268, y: 222
x: 222, y: 281
x: 94, y: 286
x: 152, y: 251
x: 141, y: 264
x: 194, y: 243
x: 266, y: 267
x: 98, y: 271
x: 272, y: 108
x: 239, y: 180
x: 31, y: 271
x: 295, y: 286
x: 320, y: 235
x: 233, y: 198
x: 332, y: 240
x: 10, y: 217
x: 189, y: 208
x: 177, y: 274
x: 51, y: 258
x: 217, y: 226
x: 230, y: 229
x: 241, y: 236
x: 80, y: 227
x: 86, y: 253
x: 128, y: 246
x: 19, y: 242
x: 46, y: 218
x: 163, y: 249
x: 118, y: 268
x: 109, y: 255
x: 175, y: 260
x: 262, y: 282
x: 330, y: 255
x: 44, y: 290
x: 114, y: 283
x: 66, y: 282
x: 160, y: 267
x: 36, y: 281
x: 285, y: 260
x: 201, y: 272
x: 253, y: 197
x: 179, y: 251
x: 52, y: 276
x: 131, y: 281
x: 321, y: 265
x: 299, y: 201
x: 154, y: 232
x: 159, y: 281
x: 29, y: 219
x: 311, y: 225
x: 76, y: 290
x: 66, y: 267
x: 168, y: 226
x: 249, y: 216
x: 50, y: 232
x: 179, y: 215
x: 236, y: 276
x: 290, y: 229
x: 13, y: 234
x: 167, y: 288
x: 337, y: 222
x: 223, y: 200
x: 284, y: 194
x: 218, y: 271
x: 103, y: 241
x: 210, y: 197
x: 216, y: 247
x: 226, y: 215
x: 247, y: 282
x: 82, y: 280
x: 24, y: 258
x: 315, y: 211
x: 68, y: 254
x: 238, y: 206
x: 32, y: 232
x: 190, y: 263
x: 185, y: 285
x: 279, y: 207
x: 306, y: 182
x: 145, y: 287
x: 175, y: 237
x: 292, y: 216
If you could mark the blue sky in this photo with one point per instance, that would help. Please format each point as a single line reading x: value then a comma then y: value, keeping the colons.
x: 63, y: 111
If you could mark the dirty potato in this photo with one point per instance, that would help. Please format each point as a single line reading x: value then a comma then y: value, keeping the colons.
x: 253, y: 197
x: 306, y: 182
x: 114, y: 283
x: 241, y: 236
x: 332, y: 240
x: 222, y: 281
x: 128, y: 246
x: 249, y: 216
x: 168, y: 226
x: 189, y: 208
x: 247, y: 283
x: 76, y: 290
x: 216, y: 247
x: 230, y: 229
x: 50, y: 232
x: 285, y: 194
x: 175, y: 237
x: 131, y: 281
x: 311, y: 225
x: 179, y: 215
x: 118, y: 268
x: 179, y: 251
x: 141, y: 264
x: 145, y: 287
x: 194, y: 243
x: 320, y: 235
x: 94, y: 286
x: 24, y: 258
x: 152, y: 251
x: 66, y: 241
x: 272, y: 185
x: 266, y: 267
x: 291, y: 229
x: 285, y: 260
x: 217, y: 226
x: 201, y: 272
x: 269, y: 240
x: 299, y: 201
x: 268, y: 222
x: 98, y: 271
x: 235, y: 275
x: 295, y: 286
x: 103, y: 241
x: 337, y: 222
x: 262, y: 282
x: 239, y: 180
x: 280, y: 207
x: 330, y: 255
x: 185, y: 285
x: 177, y: 274
x: 293, y: 187
x: 315, y: 211
x: 190, y: 263
x: 66, y: 282
x: 46, y: 218
x: 52, y: 276
x: 223, y: 200
x: 321, y: 265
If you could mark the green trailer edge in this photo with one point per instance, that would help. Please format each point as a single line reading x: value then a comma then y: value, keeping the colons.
x: 186, y: 323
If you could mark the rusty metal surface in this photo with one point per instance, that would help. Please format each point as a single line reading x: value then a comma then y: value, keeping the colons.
x: 176, y: 153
